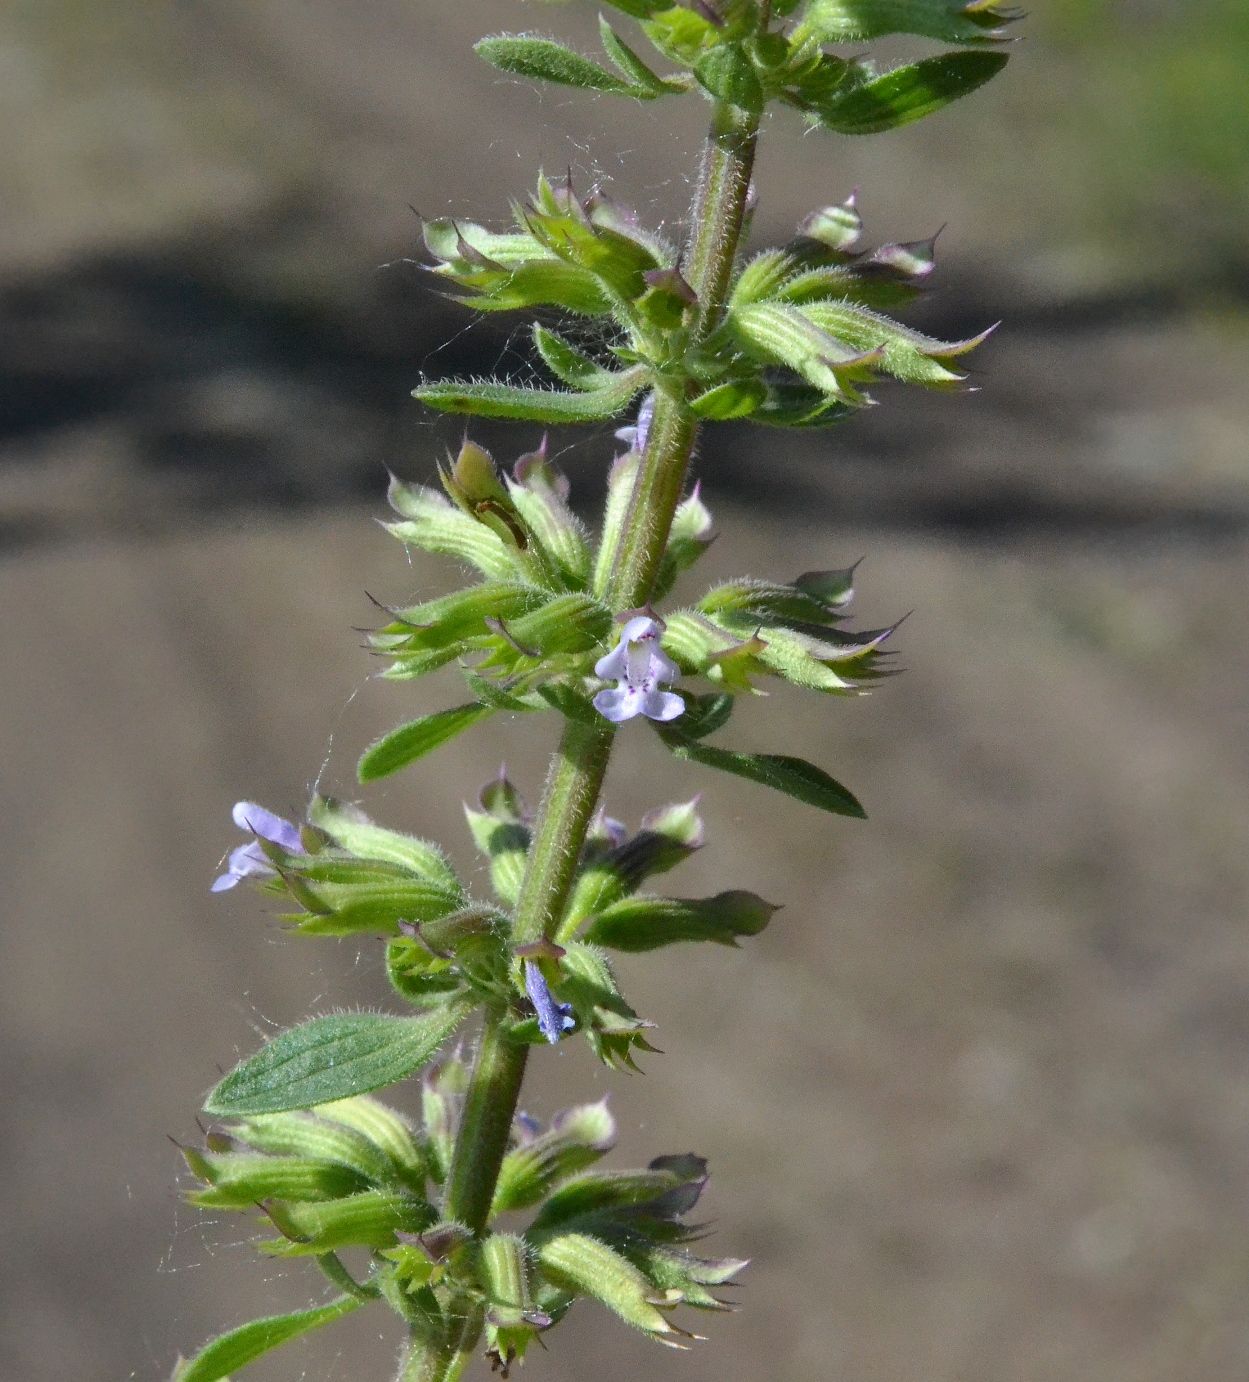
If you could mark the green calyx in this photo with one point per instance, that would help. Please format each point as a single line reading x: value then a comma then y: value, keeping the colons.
x: 356, y: 1175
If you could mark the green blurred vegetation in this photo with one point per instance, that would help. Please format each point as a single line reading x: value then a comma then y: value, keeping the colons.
x: 1151, y: 119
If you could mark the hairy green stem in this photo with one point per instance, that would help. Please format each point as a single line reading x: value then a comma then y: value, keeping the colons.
x: 579, y: 766
x: 427, y: 1363
x: 485, y: 1121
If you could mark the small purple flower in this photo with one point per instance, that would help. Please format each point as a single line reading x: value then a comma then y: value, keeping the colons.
x: 249, y: 860
x: 638, y: 666
x: 554, y: 1019
x: 635, y: 435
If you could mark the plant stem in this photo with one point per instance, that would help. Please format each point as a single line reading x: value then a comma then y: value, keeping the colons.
x: 575, y: 780
x: 485, y: 1121
x: 430, y: 1364
x: 716, y: 220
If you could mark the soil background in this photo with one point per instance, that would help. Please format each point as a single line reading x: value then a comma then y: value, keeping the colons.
x: 977, y: 1102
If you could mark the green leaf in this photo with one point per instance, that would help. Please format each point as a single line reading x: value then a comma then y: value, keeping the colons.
x: 729, y: 75
x: 568, y: 364
x: 634, y: 69
x: 489, y: 398
x: 229, y: 1352
x: 793, y: 776
x: 681, y: 34
x: 949, y: 21
x: 907, y: 93
x: 545, y: 60
x: 646, y: 923
x: 331, y: 1058
x: 411, y: 741
x: 706, y: 714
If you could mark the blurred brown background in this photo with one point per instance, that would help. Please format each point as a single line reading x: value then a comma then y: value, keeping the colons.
x: 978, y: 1101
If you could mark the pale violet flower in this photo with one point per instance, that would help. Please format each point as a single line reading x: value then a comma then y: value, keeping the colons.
x: 249, y: 860
x: 634, y: 436
x: 554, y: 1019
x: 638, y: 666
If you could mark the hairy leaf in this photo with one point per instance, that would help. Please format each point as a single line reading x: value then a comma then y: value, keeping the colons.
x: 415, y: 739
x: 332, y: 1058
x: 229, y: 1352
x: 907, y: 93
x: 543, y: 59
x: 490, y: 398
x: 793, y: 776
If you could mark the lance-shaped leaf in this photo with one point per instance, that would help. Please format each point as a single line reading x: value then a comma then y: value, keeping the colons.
x: 332, y: 1058
x: 907, y: 93
x: 793, y: 776
x: 490, y: 398
x: 577, y: 1138
x: 948, y: 21
x: 352, y: 830
x: 230, y: 1352
x: 502, y: 835
x: 568, y: 364
x: 418, y: 737
x: 583, y: 1264
x: 639, y: 76
x: 545, y: 60
x: 646, y: 923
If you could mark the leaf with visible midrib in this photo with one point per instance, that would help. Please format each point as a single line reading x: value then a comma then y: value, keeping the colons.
x: 333, y: 1057
x: 907, y: 93
x: 545, y: 60
x: 228, y: 1352
x: 793, y: 776
x: 417, y: 738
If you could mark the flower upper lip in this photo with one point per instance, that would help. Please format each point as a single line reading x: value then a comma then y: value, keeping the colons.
x: 250, y: 860
x: 639, y: 667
